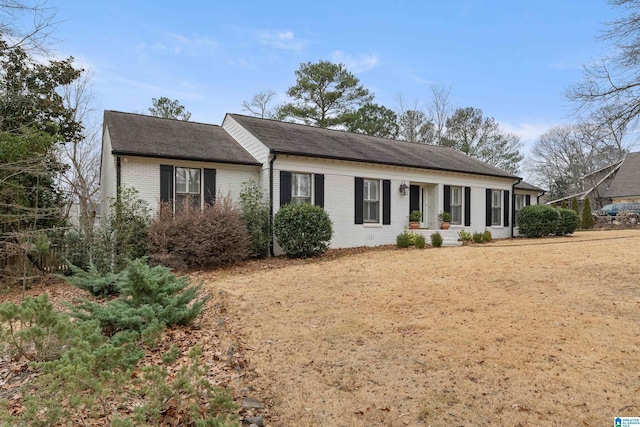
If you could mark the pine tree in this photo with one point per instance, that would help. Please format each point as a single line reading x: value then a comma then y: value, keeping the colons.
x: 587, y: 218
x: 563, y: 205
x: 575, y: 208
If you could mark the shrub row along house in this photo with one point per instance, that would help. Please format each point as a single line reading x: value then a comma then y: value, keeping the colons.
x: 367, y: 185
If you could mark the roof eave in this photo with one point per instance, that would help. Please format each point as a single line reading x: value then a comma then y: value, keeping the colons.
x: 321, y: 156
x: 190, y: 158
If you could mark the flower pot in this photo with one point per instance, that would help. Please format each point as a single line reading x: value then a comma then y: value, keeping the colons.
x: 445, y: 225
x: 414, y: 224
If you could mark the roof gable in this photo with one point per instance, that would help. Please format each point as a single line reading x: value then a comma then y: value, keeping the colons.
x: 140, y: 135
x: 302, y: 140
x: 627, y: 179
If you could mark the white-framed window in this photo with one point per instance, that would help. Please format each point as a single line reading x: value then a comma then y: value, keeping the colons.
x: 496, y: 207
x: 521, y: 201
x: 188, y: 186
x: 300, y: 188
x: 456, y: 205
x: 371, y: 208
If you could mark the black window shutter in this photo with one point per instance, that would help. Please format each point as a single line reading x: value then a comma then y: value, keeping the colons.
x: 467, y: 206
x: 528, y: 200
x: 488, y: 217
x: 285, y: 187
x: 166, y: 183
x: 386, y: 202
x: 318, y: 181
x: 447, y: 198
x: 209, y: 186
x: 359, y: 200
x: 507, y: 203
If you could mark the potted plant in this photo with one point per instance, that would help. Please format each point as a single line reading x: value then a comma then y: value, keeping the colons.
x: 445, y: 220
x: 414, y: 219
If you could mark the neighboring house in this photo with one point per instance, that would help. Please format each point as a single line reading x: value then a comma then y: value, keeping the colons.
x: 616, y: 183
x: 367, y: 185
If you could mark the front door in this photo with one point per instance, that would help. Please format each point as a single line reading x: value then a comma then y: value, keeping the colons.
x: 414, y: 199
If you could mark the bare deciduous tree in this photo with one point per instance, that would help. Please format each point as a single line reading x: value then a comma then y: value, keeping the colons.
x: 81, y: 179
x: 42, y: 19
x: 440, y: 109
x: 414, y: 123
x: 609, y: 94
x: 259, y: 104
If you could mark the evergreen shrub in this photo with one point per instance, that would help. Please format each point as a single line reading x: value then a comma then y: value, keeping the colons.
x: 436, y: 239
x: 487, y: 236
x: 403, y: 240
x: 420, y: 241
x: 538, y: 220
x: 255, y: 215
x: 302, y: 230
x: 150, y: 298
x: 211, y: 237
x: 478, y: 237
x: 567, y: 223
x: 587, y: 216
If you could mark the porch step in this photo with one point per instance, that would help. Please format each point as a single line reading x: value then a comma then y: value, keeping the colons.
x: 449, y: 237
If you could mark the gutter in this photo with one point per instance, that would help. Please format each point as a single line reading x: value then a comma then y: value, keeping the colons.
x: 513, y: 206
x: 273, y: 159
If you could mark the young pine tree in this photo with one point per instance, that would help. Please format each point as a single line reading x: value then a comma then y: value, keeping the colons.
x: 575, y: 208
x: 587, y: 218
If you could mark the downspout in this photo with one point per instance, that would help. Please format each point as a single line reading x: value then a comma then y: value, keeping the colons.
x: 273, y: 159
x: 513, y: 206
x: 538, y: 197
x: 118, y: 176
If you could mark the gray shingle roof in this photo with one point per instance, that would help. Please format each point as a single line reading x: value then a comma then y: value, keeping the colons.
x: 523, y: 185
x: 139, y: 135
x: 302, y: 140
x: 627, y: 179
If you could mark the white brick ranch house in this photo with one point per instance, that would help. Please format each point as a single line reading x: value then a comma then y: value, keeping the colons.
x: 367, y: 185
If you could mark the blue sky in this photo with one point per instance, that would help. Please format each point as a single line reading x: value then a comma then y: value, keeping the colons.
x: 512, y: 59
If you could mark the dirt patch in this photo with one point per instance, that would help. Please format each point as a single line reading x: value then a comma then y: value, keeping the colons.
x: 518, y: 332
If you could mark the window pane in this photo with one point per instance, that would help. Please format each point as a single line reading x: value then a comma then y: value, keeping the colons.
x: 181, y: 180
x: 496, y: 199
x: 194, y: 181
x: 301, y: 185
x: 371, y: 190
x: 456, y: 214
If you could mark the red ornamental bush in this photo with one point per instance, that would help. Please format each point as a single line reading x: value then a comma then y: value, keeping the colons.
x: 211, y: 237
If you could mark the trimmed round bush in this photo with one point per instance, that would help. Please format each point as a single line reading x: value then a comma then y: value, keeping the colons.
x: 487, y: 236
x: 420, y: 241
x: 478, y: 237
x: 436, y: 239
x: 538, y: 220
x: 403, y: 240
x: 567, y: 223
x: 302, y: 230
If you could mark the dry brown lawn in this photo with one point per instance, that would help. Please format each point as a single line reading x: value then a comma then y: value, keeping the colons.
x: 514, y: 333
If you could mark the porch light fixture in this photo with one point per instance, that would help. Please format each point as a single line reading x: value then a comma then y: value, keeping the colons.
x: 403, y: 188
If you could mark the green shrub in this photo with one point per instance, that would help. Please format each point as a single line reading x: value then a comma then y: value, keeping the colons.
x: 465, y: 236
x: 122, y: 235
x: 420, y: 241
x: 403, y: 240
x: 487, y: 236
x: 303, y: 230
x: 150, y: 298
x: 587, y: 216
x: 33, y: 330
x: 563, y: 205
x: 478, y: 237
x: 538, y: 220
x: 436, y: 239
x: 255, y: 215
x: 97, y: 284
x: 567, y: 223
x: 211, y: 237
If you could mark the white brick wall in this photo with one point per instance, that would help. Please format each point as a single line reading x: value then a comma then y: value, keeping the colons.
x: 143, y: 174
x: 339, y: 195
